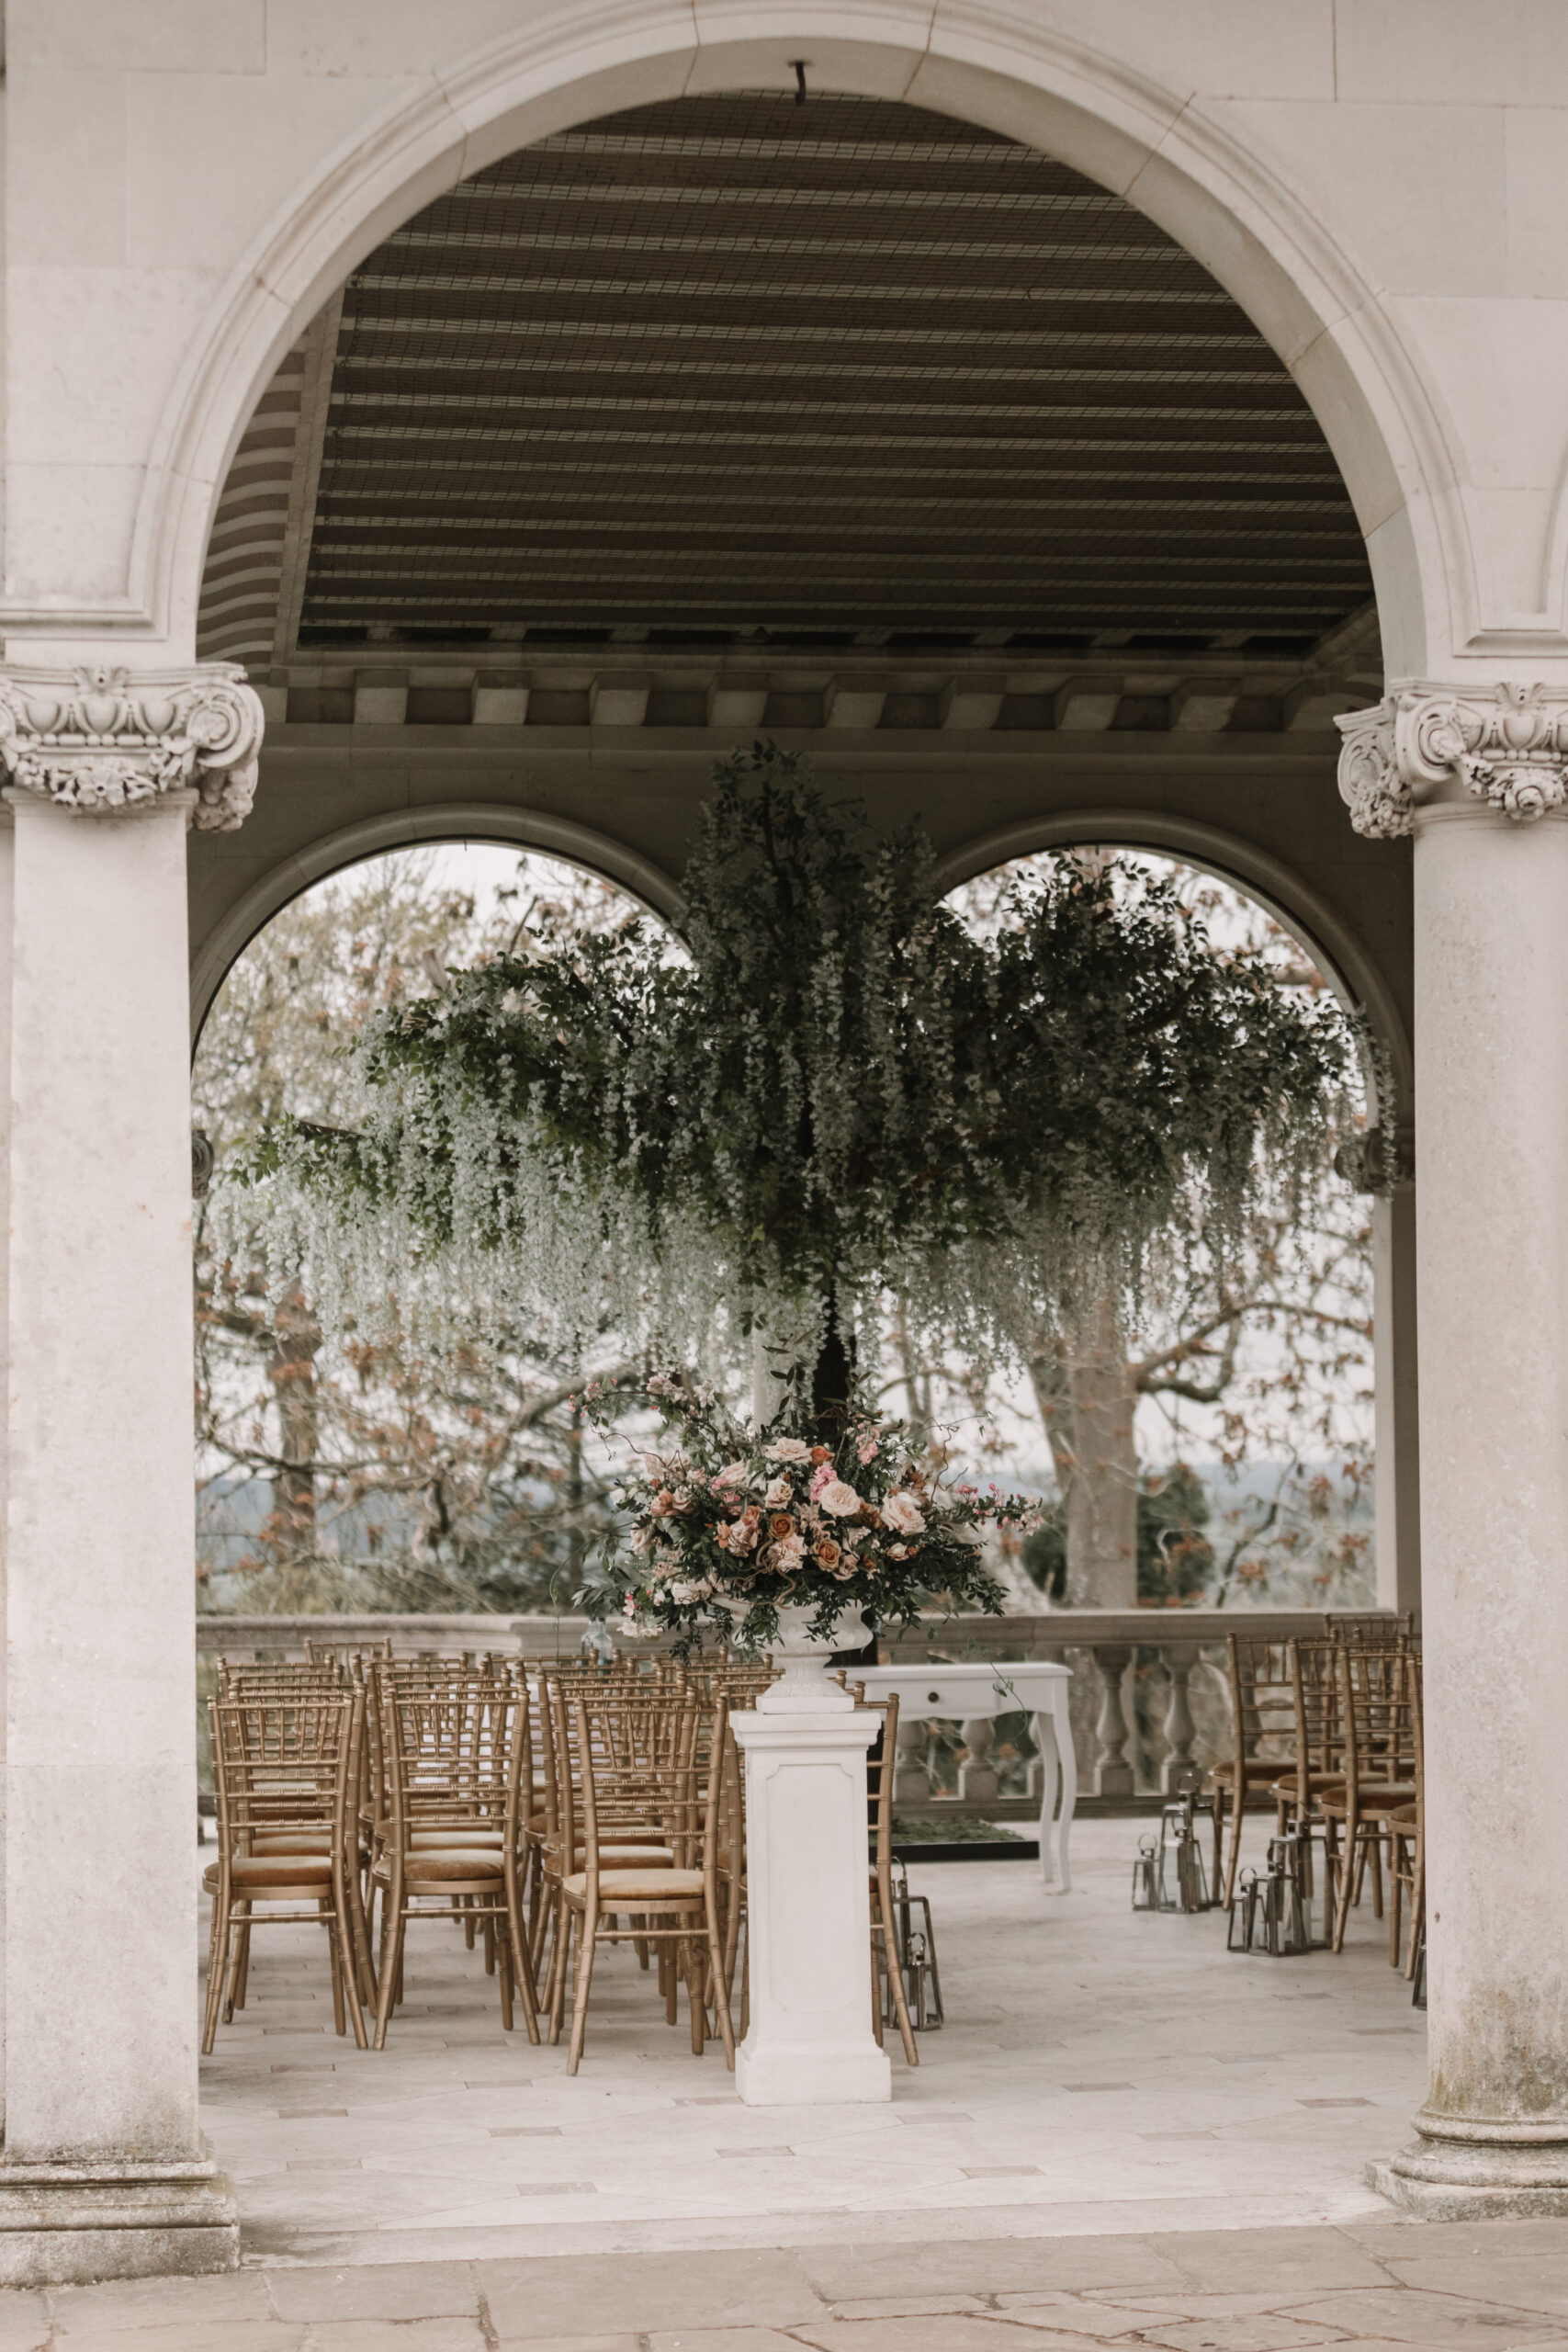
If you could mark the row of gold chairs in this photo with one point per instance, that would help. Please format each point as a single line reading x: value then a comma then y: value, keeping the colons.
x: 1330, y: 1732
x: 547, y: 1807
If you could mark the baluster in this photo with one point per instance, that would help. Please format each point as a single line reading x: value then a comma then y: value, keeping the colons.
x: 1113, y: 1774
x: 911, y: 1781
x: 978, y: 1776
x: 1179, y: 1728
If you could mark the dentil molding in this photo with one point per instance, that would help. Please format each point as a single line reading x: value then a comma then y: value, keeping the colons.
x: 99, y: 738
x: 1505, y: 745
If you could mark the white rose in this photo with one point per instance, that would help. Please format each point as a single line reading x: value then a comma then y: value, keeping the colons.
x: 903, y: 1512
x: 779, y: 1492
x: 840, y: 1499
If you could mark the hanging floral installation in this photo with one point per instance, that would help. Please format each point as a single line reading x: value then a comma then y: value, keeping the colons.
x: 837, y: 1089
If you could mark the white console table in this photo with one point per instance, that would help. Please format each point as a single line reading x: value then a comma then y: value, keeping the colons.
x: 978, y: 1694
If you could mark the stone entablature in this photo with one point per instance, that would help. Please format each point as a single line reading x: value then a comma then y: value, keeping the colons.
x: 1504, y: 745
x: 100, y: 739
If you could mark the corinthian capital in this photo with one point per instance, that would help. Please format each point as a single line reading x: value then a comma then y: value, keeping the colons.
x: 1505, y: 745
x: 101, y: 739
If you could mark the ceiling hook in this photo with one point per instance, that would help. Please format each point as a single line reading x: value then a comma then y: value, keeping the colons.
x: 799, y: 64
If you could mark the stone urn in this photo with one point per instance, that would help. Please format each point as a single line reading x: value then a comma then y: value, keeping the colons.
x: 804, y: 1688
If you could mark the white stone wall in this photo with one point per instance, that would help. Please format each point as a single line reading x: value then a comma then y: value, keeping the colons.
x: 1382, y: 183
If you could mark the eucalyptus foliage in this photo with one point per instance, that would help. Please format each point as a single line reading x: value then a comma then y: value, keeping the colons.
x: 842, y: 1089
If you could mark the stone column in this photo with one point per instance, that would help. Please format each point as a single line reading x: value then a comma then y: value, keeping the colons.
x: 105, y: 2172
x: 1481, y: 778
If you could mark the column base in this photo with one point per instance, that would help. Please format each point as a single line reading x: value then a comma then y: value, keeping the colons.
x: 71, y: 2224
x: 1455, y: 2181
x: 801, y: 2076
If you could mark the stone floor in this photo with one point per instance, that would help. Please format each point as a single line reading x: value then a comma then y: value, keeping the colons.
x: 1098, y: 2072
x: 1121, y: 2136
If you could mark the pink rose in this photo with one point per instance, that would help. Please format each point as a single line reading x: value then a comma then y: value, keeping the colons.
x: 903, y: 1512
x: 730, y: 1475
x: 840, y: 1498
x: 788, y: 1449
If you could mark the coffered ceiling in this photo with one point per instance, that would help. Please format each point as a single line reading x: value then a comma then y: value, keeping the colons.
x: 735, y: 377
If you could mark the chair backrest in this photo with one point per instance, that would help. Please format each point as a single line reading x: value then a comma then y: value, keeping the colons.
x: 1377, y: 1714
x: 280, y: 1766
x: 629, y: 1766
x: 1369, y: 1628
x: 1263, y: 1697
x: 879, y: 1768
x: 1319, y: 1715
x: 451, y: 1752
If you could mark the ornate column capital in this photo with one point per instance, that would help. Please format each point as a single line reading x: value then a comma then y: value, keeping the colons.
x: 1505, y: 745
x: 99, y: 738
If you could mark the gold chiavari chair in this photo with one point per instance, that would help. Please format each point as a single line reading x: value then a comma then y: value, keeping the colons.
x: 1379, y: 1772
x: 454, y: 1755
x: 632, y: 1764
x: 283, y: 1771
x: 1263, y: 1716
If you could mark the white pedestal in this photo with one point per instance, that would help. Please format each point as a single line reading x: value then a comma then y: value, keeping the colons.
x: 808, y: 1909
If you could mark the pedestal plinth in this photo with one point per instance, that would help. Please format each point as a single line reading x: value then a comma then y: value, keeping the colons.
x: 69, y: 2224
x: 808, y: 1906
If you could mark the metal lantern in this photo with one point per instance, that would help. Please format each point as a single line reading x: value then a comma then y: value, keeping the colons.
x: 917, y: 1960
x: 1271, y: 1910
x: 1181, y: 1883
x: 1145, y: 1877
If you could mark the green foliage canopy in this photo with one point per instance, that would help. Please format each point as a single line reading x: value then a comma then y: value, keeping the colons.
x: 840, y: 1088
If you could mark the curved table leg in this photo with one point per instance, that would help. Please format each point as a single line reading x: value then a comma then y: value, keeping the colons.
x: 1054, y: 1733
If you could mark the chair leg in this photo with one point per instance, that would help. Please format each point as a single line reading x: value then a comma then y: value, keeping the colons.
x: 1348, y: 1874
x: 1239, y: 1814
x: 240, y: 1971
x: 335, y: 1961
x: 496, y: 1932
x: 895, y: 1976
x: 719, y: 1979
x: 217, y: 1969
x: 579, y: 1994
x: 560, y: 1960
x: 521, y: 1955
x: 392, y: 1959
x: 348, y: 1956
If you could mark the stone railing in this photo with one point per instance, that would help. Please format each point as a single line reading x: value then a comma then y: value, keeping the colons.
x: 1150, y: 1698
x: 1149, y: 1701
x: 285, y: 1637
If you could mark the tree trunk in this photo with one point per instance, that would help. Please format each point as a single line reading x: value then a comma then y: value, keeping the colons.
x: 1086, y: 1393
x: 292, y: 1372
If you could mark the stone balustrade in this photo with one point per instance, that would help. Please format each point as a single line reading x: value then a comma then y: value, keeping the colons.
x: 1136, y: 1731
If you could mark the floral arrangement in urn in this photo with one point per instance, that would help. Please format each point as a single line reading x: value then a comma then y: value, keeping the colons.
x: 732, y: 1524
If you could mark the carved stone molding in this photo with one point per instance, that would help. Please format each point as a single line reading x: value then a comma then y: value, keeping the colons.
x: 1505, y: 745
x: 99, y: 738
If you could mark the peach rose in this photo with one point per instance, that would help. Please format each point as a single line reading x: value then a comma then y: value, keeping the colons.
x: 826, y: 1552
x: 839, y: 1497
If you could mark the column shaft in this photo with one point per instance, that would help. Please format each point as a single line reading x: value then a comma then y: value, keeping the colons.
x: 1492, y: 1104
x: 100, y: 1878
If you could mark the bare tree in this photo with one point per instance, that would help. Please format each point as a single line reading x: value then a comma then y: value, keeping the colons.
x: 366, y: 1474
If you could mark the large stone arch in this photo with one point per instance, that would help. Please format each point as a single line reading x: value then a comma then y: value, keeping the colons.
x: 999, y: 67
x: 496, y: 821
x: 1356, y: 975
